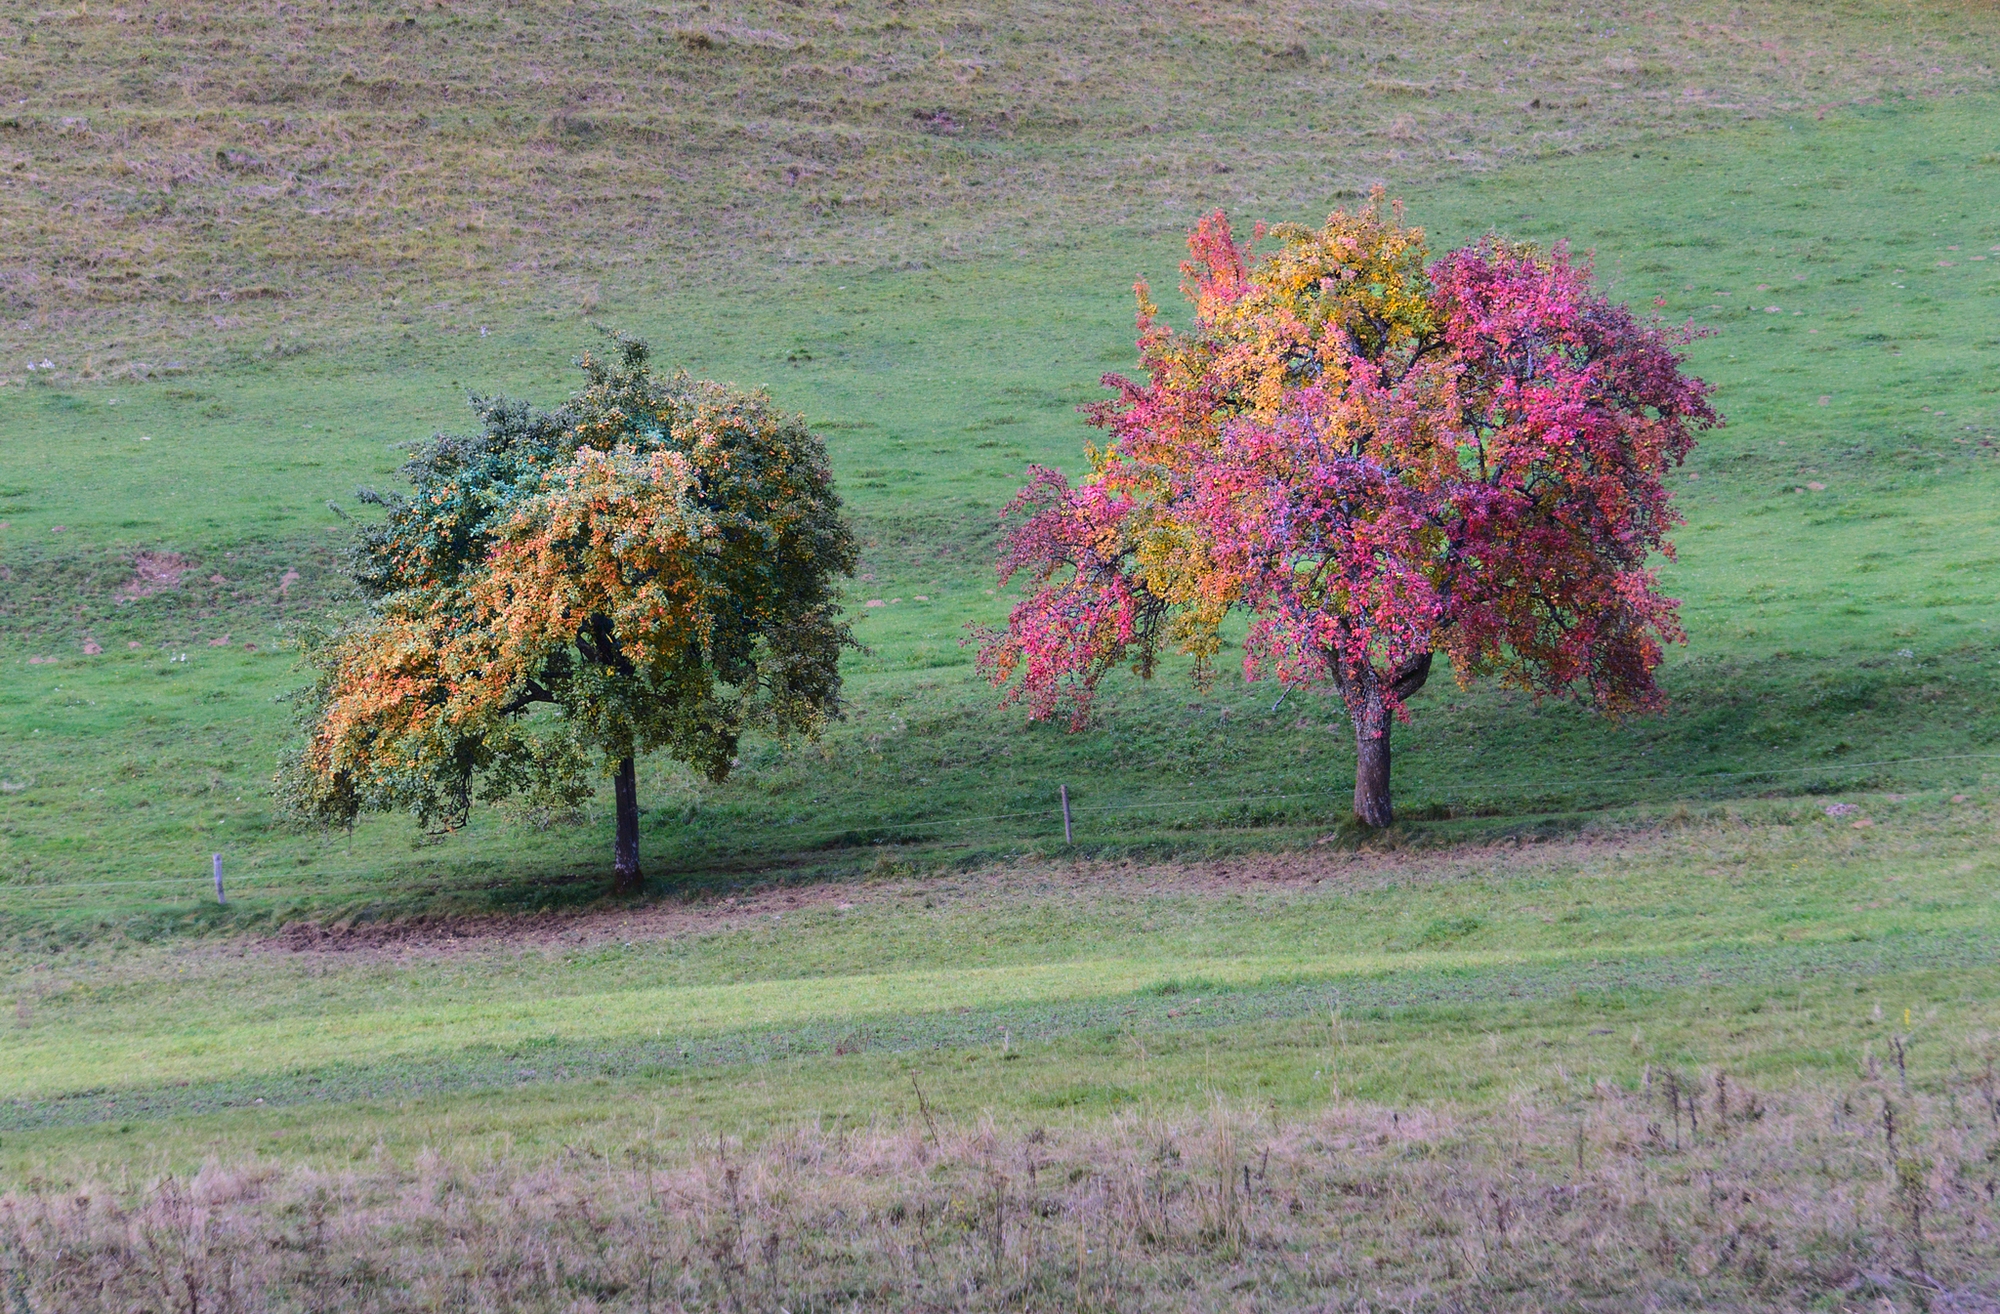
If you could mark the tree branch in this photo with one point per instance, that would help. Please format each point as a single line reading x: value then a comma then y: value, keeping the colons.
x: 533, y: 693
x: 1407, y: 679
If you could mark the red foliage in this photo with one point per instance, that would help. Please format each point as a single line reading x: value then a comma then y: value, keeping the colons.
x: 1379, y: 461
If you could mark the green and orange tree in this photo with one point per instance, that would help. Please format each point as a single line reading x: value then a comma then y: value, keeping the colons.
x: 650, y: 567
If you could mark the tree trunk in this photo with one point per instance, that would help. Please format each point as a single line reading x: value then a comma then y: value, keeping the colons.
x: 1369, y: 710
x: 625, y: 878
x: 1372, y: 723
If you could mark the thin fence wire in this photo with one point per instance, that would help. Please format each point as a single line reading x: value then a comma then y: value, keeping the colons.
x: 271, y: 884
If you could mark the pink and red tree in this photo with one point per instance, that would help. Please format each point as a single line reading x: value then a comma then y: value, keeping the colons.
x: 1380, y: 461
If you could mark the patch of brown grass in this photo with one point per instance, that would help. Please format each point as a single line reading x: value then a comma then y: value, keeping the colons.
x: 1693, y: 1190
x: 154, y: 572
x: 184, y: 176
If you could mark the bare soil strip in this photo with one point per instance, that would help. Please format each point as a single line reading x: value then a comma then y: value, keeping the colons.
x: 1323, y: 870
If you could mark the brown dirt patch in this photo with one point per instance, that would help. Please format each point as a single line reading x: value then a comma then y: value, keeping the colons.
x: 1317, y: 870
x: 451, y: 934
x: 154, y: 572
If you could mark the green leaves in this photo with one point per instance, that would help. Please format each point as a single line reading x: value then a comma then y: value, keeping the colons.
x: 655, y: 560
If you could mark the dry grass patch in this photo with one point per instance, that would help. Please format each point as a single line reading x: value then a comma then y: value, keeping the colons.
x: 185, y: 176
x: 1690, y: 1190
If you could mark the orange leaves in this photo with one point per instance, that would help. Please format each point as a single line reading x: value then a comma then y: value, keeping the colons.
x: 397, y: 706
x: 609, y: 552
x: 655, y: 559
x: 611, y: 534
x: 387, y: 682
x: 1355, y: 286
x: 1281, y: 335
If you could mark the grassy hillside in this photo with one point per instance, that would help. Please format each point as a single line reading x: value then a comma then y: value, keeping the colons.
x: 1834, y: 565
x: 1698, y: 1009
x: 193, y: 183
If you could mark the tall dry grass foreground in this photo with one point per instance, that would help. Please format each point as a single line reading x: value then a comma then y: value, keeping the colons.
x: 1695, y: 1192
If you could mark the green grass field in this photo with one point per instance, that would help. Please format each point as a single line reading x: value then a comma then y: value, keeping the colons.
x: 1610, y: 926
x: 1833, y: 629
x: 1787, y: 879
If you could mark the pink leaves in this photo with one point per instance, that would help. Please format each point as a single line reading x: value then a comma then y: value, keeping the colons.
x: 1575, y: 411
x: 1216, y: 268
x: 1379, y: 461
x: 1073, y: 545
x: 1319, y: 537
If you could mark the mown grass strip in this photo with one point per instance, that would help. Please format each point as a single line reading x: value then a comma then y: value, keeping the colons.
x: 1211, y: 996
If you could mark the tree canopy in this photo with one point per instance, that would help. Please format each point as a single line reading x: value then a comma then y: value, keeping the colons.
x: 655, y: 560
x: 1380, y: 460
